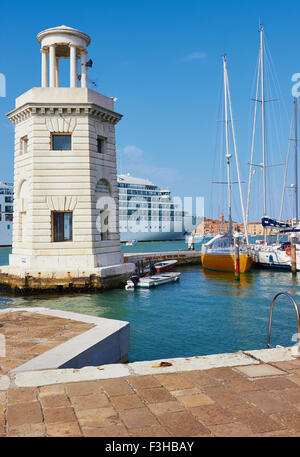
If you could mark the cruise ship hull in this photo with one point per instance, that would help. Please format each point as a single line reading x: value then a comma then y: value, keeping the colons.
x: 167, y: 231
x: 151, y: 236
x: 5, y: 234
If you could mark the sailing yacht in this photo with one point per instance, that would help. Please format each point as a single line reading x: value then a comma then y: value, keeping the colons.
x: 276, y: 255
x: 218, y: 253
x: 282, y: 251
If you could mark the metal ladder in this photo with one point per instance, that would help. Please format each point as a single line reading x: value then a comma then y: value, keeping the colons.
x: 271, y: 312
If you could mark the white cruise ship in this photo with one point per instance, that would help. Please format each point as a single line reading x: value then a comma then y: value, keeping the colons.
x: 148, y: 213
x: 6, y: 213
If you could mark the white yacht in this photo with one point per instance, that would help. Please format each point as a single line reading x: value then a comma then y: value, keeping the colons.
x: 149, y: 213
x: 6, y: 213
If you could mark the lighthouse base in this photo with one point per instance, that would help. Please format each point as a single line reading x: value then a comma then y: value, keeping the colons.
x: 18, y: 281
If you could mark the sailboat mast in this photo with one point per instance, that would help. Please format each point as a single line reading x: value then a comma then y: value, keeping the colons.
x: 296, y: 158
x: 228, y: 156
x: 263, y: 123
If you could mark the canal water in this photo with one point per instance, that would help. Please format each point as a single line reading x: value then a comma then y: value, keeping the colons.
x: 204, y: 313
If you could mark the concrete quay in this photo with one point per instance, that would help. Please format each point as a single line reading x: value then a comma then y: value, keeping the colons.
x: 43, y: 339
x: 247, y: 393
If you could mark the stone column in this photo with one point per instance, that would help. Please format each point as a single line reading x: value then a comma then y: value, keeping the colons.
x: 73, y: 67
x: 57, y: 72
x: 44, y: 68
x: 52, y: 65
x: 83, y: 69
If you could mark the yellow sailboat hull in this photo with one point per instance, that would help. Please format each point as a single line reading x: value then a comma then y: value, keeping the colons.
x: 225, y: 262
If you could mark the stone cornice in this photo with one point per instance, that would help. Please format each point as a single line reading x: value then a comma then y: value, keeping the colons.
x: 56, y: 109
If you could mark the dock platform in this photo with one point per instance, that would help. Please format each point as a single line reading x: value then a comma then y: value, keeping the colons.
x: 182, y: 257
x: 244, y: 394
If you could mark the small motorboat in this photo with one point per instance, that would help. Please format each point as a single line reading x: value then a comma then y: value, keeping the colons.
x: 164, y: 266
x: 151, y: 281
x: 131, y: 243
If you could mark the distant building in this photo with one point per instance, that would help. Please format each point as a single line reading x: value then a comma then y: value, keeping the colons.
x: 256, y: 229
x: 217, y: 225
x: 212, y: 226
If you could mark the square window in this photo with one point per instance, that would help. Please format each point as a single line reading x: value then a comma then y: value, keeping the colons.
x: 24, y: 145
x: 101, y: 145
x: 62, y: 226
x: 61, y: 142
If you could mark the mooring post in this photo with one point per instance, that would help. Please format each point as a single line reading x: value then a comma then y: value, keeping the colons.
x: 236, y: 257
x: 293, y: 255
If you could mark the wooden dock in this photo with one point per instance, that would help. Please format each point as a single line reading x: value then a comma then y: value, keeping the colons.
x: 182, y: 257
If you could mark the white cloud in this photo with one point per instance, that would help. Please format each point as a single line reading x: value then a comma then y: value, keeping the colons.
x: 138, y: 163
x: 194, y: 56
x: 133, y: 152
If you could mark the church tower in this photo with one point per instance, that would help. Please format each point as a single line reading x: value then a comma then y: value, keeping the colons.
x: 66, y: 222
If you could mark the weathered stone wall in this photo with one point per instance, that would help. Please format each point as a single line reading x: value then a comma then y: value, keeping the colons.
x: 14, y: 285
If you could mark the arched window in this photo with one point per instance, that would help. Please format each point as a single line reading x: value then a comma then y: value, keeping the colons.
x: 105, y: 204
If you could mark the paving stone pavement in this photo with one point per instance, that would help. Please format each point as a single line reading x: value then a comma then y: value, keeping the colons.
x: 217, y: 402
x: 28, y: 335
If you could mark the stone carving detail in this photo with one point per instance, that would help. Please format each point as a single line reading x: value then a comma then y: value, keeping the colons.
x: 102, y: 129
x: 21, y: 203
x: 61, y: 124
x: 103, y: 187
x: 62, y: 203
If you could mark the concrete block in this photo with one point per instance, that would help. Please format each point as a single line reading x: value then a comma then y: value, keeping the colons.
x: 107, y: 342
x: 47, y: 377
x: 273, y: 355
x: 191, y: 363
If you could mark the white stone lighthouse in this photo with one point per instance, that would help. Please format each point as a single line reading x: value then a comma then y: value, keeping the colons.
x: 65, y: 184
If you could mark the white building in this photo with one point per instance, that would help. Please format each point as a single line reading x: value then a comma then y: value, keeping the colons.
x: 65, y: 183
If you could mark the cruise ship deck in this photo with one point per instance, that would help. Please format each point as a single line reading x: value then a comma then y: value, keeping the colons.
x: 149, y: 213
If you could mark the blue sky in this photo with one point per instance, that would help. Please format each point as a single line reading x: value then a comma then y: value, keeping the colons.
x: 163, y: 61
